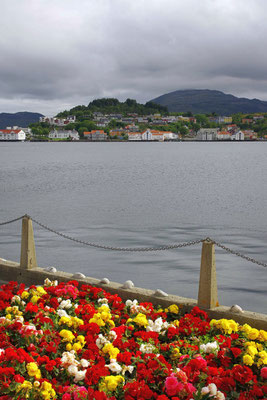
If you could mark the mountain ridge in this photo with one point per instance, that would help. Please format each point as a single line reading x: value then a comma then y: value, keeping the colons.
x: 22, y: 119
x: 205, y: 101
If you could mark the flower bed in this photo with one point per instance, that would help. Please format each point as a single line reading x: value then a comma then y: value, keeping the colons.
x: 62, y: 341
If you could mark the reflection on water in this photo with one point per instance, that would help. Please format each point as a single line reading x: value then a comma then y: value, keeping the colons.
x: 142, y: 195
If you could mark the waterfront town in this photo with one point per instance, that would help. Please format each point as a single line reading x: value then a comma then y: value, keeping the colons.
x: 135, y: 128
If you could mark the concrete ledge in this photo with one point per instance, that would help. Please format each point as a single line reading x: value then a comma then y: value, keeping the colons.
x: 11, y: 271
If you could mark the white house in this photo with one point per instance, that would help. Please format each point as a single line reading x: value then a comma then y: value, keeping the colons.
x: 170, y: 136
x: 239, y: 135
x: 12, y: 134
x: 64, y: 134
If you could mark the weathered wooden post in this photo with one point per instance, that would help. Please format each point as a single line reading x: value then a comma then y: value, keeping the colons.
x: 207, y: 291
x: 27, y: 253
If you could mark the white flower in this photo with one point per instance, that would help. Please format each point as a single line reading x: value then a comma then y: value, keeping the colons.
x: 15, y: 299
x: 101, y: 341
x: 2, y: 351
x: 63, y: 313
x: 147, y: 348
x: 213, y: 389
x: 79, y: 376
x: 157, y: 326
x: 68, y: 358
x: 114, y: 366
x: 209, y: 347
x: 127, y: 368
x: 104, y: 300
x: 65, y: 304
x: 205, y: 390
x: 72, y: 369
x: 84, y: 363
x: 220, y: 396
x: 112, y: 336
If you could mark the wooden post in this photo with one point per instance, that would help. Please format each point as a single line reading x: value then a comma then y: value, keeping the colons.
x: 207, y: 291
x: 27, y: 253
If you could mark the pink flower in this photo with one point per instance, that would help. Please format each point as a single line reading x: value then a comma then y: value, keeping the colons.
x: 264, y: 372
x: 171, y: 385
x: 80, y: 393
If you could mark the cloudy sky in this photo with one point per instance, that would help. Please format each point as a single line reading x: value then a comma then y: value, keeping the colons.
x: 56, y: 54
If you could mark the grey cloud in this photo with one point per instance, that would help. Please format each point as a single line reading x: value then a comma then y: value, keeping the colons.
x: 68, y: 52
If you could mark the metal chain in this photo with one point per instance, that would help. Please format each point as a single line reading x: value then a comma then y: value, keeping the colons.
x: 236, y: 253
x: 139, y: 249
x: 10, y: 221
x: 133, y: 249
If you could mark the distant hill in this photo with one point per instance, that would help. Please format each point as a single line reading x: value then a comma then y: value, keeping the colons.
x: 22, y: 119
x: 114, y: 106
x: 208, y: 101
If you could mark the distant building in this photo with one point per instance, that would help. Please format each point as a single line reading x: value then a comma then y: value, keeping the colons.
x: 27, y: 131
x: 117, y: 133
x: 58, y: 121
x: 223, y: 135
x: 207, y: 134
x: 12, y: 135
x: 250, y: 135
x: 170, y: 136
x: 247, y: 120
x: 95, y: 135
x: 134, y: 136
x: 64, y: 134
x: 239, y: 135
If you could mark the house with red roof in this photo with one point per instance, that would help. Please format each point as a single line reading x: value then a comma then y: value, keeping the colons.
x: 13, y: 135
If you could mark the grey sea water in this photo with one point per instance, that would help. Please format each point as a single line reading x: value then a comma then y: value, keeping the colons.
x: 142, y: 194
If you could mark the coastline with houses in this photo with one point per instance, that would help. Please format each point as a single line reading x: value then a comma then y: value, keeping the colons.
x: 138, y: 128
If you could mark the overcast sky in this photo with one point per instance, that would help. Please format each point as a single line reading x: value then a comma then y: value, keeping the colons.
x: 55, y: 54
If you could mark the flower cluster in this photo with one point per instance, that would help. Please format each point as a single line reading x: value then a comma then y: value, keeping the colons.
x: 65, y: 342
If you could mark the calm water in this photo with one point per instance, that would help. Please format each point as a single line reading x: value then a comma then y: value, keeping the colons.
x: 142, y: 194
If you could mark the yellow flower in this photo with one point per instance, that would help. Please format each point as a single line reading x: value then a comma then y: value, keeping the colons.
x: 175, y: 353
x: 26, y: 385
x: 77, y: 346
x: 111, y: 323
x: 262, y: 336
x: 111, y: 350
x: 247, y: 359
x: 252, y: 351
x: 253, y: 334
x: 66, y: 335
x: 25, y: 295
x: 68, y: 347
x: 81, y: 339
x: 141, y: 320
x: 97, y: 320
x: 41, y: 290
x: 33, y: 370
x: 65, y: 321
x: 76, y: 322
x: 34, y: 299
x: 110, y: 383
x: 173, y: 309
x: 246, y: 328
x: 47, y: 391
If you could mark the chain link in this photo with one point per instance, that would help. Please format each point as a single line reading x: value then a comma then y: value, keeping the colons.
x: 133, y: 249
x: 139, y: 249
x: 10, y: 221
x: 236, y: 253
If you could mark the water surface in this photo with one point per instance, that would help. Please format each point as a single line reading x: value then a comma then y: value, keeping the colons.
x: 142, y: 194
